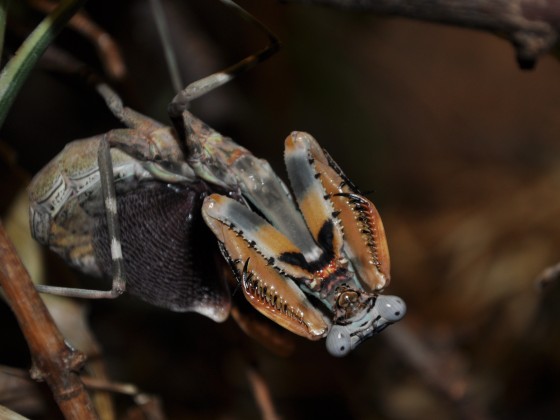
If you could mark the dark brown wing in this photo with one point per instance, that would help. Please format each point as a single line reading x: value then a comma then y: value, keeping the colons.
x: 169, y: 253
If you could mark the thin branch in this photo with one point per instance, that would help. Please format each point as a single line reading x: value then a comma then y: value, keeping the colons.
x: 167, y: 45
x: 440, y: 370
x: 148, y: 405
x: 53, y: 361
x: 15, y: 73
x: 7, y: 414
x: 549, y: 276
x: 261, y: 393
x: 107, y: 49
x: 532, y: 26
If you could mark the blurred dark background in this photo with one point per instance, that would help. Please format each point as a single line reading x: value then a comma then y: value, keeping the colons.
x: 459, y: 148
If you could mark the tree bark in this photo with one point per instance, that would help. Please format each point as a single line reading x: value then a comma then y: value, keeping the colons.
x: 532, y: 26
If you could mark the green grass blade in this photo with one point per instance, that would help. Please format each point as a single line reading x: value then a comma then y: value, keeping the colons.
x: 15, y: 72
x: 4, y: 4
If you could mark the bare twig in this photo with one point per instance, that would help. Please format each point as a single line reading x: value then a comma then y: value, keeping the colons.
x: 101, y: 384
x: 167, y: 45
x: 19, y: 392
x: 107, y: 49
x: 532, y: 26
x: 53, y: 360
x: 439, y: 371
x: 548, y: 276
x: 8, y: 414
x: 147, y: 406
x: 261, y: 393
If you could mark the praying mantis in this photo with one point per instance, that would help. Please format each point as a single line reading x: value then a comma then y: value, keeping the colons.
x: 130, y: 203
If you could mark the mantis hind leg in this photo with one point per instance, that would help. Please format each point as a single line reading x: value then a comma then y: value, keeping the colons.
x: 180, y: 103
x: 109, y: 197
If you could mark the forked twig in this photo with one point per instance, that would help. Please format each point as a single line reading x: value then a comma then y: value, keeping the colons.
x: 53, y: 361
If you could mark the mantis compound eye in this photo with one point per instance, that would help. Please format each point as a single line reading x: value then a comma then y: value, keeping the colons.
x: 390, y: 308
x: 339, y: 342
x: 348, y: 298
x: 384, y: 311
